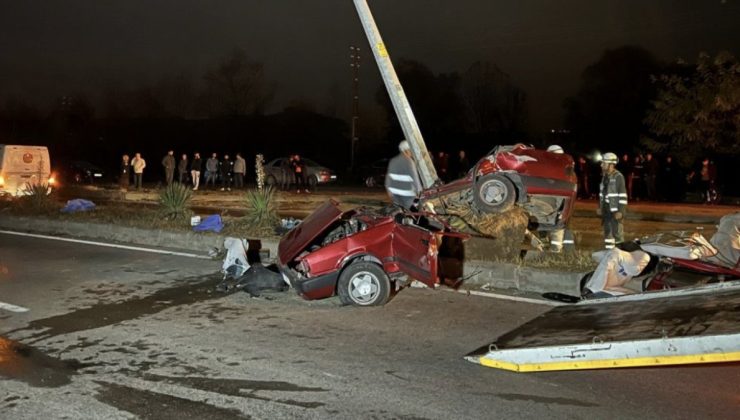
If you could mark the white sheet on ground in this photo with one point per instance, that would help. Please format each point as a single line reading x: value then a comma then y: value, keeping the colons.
x: 615, y: 269
x: 236, y: 255
x: 727, y: 241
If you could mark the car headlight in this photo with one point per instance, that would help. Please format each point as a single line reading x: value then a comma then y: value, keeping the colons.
x: 2, y: 181
x: 52, y: 181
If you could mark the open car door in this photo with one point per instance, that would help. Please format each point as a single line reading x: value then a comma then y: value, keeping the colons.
x: 415, y: 249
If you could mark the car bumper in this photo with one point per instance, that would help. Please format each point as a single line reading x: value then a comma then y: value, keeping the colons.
x: 318, y: 287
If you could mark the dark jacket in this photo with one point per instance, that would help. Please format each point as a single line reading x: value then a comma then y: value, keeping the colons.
x: 196, y: 164
x: 182, y: 166
x: 402, y: 181
x: 613, y: 193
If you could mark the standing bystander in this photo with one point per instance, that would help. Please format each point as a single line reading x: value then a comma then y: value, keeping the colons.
x: 138, y: 164
x: 169, y: 166
x: 240, y: 169
x: 125, y: 173
x: 195, y: 167
x: 182, y: 169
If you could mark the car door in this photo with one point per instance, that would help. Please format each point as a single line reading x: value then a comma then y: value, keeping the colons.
x: 415, y: 250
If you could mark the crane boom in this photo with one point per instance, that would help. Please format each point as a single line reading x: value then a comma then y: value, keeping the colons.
x: 400, y: 103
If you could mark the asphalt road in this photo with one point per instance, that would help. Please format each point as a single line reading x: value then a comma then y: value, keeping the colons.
x: 116, y: 333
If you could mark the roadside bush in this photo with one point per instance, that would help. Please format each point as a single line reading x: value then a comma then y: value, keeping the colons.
x: 261, y: 207
x: 175, y: 201
x: 36, y: 199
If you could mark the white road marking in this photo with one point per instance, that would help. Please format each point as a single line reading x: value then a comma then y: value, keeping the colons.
x: 506, y: 297
x: 12, y: 308
x: 109, y: 245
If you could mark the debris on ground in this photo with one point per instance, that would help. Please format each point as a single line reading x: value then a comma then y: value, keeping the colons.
x: 255, y: 280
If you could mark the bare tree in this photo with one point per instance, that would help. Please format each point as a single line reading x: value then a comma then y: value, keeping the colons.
x: 237, y: 86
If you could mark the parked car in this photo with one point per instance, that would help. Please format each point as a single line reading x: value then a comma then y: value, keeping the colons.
x: 541, y: 182
x: 358, y: 254
x: 80, y: 171
x: 373, y: 175
x: 317, y: 174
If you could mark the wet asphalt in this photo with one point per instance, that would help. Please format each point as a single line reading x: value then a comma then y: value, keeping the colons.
x: 124, y: 334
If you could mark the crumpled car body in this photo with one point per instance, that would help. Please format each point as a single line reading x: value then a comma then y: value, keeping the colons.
x: 382, y: 246
x: 541, y: 182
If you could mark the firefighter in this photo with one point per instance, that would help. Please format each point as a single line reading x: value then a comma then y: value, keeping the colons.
x: 402, y: 181
x: 557, y: 236
x: 612, y: 201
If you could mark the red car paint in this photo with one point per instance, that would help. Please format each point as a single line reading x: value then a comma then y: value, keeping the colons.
x: 386, y: 239
x: 536, y: 174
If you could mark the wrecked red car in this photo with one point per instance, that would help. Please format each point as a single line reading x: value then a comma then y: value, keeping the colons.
x: 359, y: 254
x: 541, y: 182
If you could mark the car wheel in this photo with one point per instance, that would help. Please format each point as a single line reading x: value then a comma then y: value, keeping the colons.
x: 270, y: 181
x: 494, y: 193
x: 313, y: 181
x: 370, y: 182
x: 363, y: 283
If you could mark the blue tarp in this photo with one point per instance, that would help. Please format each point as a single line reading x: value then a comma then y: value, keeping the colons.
x: 78, y: 204
x: 211, y: 223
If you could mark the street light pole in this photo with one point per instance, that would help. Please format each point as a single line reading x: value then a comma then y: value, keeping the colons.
x: 355, y: 65
x: 398, y: 98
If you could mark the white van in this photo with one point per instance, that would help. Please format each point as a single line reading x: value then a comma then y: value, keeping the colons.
x: 23, y: 165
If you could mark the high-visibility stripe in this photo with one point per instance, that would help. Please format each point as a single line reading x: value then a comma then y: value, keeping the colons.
x: 614, y: 208
x: 613, y: 363
x: 401, y: 177
x: 609, y: 246
x: 402, y: 193
x: 555, y: 243
x: 623, y: 202
x: 610, y: 241
x: 569, y: 241
x: 622, y: 194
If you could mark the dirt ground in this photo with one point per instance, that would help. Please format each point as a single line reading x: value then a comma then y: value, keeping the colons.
x: 642, y: 219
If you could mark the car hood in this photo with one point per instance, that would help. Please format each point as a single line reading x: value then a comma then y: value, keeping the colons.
x: 295, y: 241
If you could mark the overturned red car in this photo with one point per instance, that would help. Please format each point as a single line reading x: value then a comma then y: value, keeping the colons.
x: 541, y: 182
x: 359, y: 254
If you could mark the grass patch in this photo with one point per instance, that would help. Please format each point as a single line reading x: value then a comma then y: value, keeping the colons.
x: 576, y: 261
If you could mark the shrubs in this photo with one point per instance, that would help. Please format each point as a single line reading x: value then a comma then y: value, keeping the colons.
x: 175, y: 201
x: 261, y: 216
x: 36, y: 199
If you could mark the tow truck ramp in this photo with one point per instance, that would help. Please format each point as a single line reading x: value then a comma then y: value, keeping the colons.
x: 688, y: 326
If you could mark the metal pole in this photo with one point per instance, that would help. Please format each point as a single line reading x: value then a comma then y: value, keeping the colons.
x: 400, y: 103
x: 355, y: 64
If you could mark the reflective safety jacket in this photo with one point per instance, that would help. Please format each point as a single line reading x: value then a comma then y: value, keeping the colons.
x: 402, y: 181
x: 613, y: 193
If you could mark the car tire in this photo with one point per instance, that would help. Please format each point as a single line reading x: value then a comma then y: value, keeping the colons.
x: 313, y: 181
x: 363, y: 283
x: 494, y: 193
x: 270, y: 181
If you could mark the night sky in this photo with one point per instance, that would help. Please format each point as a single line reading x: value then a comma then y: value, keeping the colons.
x: 49, y: 48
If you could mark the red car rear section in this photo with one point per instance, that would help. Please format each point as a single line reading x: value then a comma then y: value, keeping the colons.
x: 544, y: 183
x: 314, y: 254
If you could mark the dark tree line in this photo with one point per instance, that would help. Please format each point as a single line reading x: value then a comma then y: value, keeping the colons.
x: 472, y: 110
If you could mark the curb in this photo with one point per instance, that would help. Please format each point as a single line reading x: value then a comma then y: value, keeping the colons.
x: 477, y: 274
